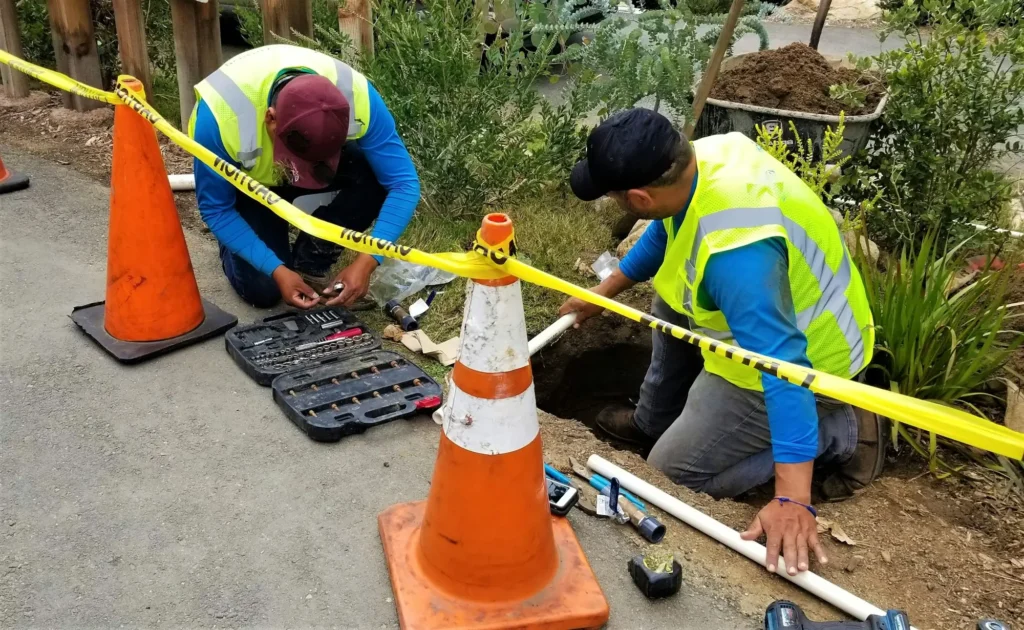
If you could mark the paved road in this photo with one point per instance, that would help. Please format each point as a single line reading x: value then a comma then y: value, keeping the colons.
x: 174, y: 493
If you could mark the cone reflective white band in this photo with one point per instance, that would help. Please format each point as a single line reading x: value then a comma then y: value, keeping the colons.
x: 494, y: 329
x: 491, y: 427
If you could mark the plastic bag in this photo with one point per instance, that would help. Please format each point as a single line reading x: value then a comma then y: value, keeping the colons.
x: 397, y: 280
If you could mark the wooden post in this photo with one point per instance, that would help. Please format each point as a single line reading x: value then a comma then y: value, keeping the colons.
x: 15, y: 83
x: 75, y: 38
x: 196, y: 47
x: 711, y: 73
x: 355, y: 19
x: 281, y: 16
x: 819, y: 22
x: 131, y: 42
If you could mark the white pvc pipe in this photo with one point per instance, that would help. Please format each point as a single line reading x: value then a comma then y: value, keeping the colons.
x: 811, y: 582
x: 182, y: 183
x: 548, y: 335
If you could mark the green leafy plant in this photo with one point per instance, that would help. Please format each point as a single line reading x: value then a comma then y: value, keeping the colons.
x: 800, y: 156
x: 465, y: 104
x: 850, y: 95
x: 951, y: 120
x: 655, y: 56
x: 250, y: 19
x: 936, y: 340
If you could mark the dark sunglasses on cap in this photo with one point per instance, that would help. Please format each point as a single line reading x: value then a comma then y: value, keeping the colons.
x: 298, y: 144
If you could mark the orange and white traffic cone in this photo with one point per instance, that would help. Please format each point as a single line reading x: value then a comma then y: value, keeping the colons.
x: 484, y: 551
x: 153, y: 304
x: 11, y: 181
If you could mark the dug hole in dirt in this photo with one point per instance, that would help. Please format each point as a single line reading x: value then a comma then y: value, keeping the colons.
x: 949, y: 552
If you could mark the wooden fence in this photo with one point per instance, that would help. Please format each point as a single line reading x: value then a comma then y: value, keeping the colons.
x: 197, y: 46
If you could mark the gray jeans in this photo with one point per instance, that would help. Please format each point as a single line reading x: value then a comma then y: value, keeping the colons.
x: 713, y: 436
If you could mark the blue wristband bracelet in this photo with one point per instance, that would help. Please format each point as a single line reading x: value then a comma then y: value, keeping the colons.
x: 809, y: 508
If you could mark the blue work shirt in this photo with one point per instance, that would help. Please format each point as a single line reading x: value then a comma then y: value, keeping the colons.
x: 383, y: 149
x: 750, y: 285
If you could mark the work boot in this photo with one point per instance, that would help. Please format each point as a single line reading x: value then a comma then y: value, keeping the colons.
x: 866, y: 464
x: 616, y: 422
x: 317, y: 282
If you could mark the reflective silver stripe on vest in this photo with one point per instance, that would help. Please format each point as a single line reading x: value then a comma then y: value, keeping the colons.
x: 719, y: 335
x: 245, y: 113
x: 344, y: 83
x: 833, y: 285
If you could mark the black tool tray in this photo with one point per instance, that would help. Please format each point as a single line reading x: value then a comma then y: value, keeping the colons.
x: 283, y: 343
x: 354, y: 394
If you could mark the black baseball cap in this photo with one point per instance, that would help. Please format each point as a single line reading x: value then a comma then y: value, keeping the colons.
x: 629, y: 150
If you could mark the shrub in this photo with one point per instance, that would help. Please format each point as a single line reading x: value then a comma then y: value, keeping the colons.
x: 816, y: 173
x: 656, y: 56
x: 954, y: 106
x: 479, y: 132
x: 935, y: 341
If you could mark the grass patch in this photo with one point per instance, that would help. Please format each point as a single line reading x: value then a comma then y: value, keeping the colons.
x: 552, y: 232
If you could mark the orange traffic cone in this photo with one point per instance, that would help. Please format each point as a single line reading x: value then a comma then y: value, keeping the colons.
x: 484, y: 551
x: 11, y: 181
x: 153, y: 304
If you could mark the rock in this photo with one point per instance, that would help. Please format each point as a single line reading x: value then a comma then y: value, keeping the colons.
x: 853, y: 563
x: 1014, y: 407
x: 631, y: 239
x: 837, y: 216
x: 887, y: 557
x: 866, y: 245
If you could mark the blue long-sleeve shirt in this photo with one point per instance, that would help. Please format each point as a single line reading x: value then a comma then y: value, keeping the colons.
x: 750, y: 285
x: 383, y: 149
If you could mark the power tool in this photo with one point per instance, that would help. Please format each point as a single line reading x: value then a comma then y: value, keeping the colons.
x: 783, y: 615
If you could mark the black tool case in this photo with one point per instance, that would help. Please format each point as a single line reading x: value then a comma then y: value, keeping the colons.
x: 351, y: 395
x: 298, y: 341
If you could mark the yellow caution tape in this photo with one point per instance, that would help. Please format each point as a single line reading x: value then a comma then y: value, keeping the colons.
x: 486, y: 262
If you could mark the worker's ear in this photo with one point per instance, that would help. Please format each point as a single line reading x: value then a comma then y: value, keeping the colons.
x: 639, y: 199
x: 270, y: 119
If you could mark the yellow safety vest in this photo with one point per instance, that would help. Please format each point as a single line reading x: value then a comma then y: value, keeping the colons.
x: 238, y: 94
x: 745, y: 195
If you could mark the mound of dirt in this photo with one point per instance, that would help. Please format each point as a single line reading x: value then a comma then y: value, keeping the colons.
x: 795, y: 78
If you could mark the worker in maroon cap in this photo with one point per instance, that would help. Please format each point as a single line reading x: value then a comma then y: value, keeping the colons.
x: 315, y: 132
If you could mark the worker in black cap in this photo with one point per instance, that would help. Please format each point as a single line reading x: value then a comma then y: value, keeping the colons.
x: 741, y: 251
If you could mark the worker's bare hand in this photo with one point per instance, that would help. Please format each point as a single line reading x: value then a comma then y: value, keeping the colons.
x: 583, y: 310
x: 789, y: 528
x: 294, y: 289
x: 356, y: 281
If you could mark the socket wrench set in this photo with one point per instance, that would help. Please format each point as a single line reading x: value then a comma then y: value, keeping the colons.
x: 288, y: 342
x: 354, y: 394
x: 327, y: 373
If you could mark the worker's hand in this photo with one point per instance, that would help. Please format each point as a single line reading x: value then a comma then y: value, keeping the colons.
x: 355, y: 277
x: 583, y: 310
x: 294, y: 289
x: 790, y: 528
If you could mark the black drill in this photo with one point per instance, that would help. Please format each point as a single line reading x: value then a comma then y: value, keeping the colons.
x: 783, y: 615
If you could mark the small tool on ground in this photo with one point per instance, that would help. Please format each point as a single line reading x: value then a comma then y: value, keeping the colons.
x: 656, y: 575
x: 785, y: 615
x: 649, y: 527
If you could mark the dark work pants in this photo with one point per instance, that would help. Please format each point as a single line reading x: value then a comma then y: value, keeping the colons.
x: 357, y: 200
x: 713, y: 436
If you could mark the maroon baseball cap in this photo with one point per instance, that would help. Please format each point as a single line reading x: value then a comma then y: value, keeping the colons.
x: 312, y: 125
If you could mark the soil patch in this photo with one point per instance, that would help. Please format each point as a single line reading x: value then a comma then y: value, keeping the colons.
x: 601, y: 363
x: 795, y: 78
x: 83, y: 140
x: 948, y: 552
